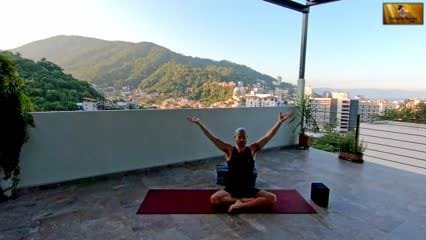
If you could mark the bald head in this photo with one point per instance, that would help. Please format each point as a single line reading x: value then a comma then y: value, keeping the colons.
x: 240, y: 137
x: 240, y: 131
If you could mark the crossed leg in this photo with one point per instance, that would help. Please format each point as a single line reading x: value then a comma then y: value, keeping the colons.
x: 222, y: 197
x: 262, y: 199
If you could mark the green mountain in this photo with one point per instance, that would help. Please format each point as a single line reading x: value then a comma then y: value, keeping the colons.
x: 48, y: 87
x: 144, y: 65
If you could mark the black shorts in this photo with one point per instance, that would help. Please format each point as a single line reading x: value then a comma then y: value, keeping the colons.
x: 246, y: 193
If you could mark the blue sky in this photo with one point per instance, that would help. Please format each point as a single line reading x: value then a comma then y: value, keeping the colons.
x: 348, y: 46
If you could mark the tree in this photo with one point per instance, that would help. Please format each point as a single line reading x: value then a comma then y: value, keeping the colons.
x: 14, y: 107
x: 49, y: 88
x: 405, y: 114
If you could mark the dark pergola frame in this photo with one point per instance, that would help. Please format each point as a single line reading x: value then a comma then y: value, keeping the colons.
x: 304, y: 9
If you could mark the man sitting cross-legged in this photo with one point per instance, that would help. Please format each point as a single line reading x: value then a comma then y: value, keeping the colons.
x: 240, y: 191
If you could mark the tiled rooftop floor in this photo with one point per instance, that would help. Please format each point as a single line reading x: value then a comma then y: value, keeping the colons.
x: 367, y: 201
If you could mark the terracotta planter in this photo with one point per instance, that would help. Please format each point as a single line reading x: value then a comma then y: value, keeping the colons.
x: 354, y: 157
x: 303, y: 141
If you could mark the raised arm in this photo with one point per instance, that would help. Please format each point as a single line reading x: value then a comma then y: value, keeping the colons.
x: 225, y: 147
x: 259, y: 144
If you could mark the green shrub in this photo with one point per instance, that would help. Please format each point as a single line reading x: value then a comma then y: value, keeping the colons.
x: 348, y: 144
x: 14, y: 108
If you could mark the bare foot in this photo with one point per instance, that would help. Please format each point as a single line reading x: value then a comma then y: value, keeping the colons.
x: 246, y: 199
x: 237, y: 205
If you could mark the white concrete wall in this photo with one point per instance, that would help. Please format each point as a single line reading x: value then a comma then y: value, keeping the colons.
x: 71, y: 145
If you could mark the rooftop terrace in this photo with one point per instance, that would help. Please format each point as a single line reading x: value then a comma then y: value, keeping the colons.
x: 367, y: 201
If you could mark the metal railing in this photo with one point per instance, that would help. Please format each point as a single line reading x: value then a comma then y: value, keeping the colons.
x: 398, y: 143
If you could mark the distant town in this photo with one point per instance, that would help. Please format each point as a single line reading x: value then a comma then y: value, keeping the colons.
x: 329, y: 108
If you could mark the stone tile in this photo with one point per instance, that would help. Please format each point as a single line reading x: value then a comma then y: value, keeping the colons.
x: 166, y: 234
x: 65, y: 226
x: 147, y: 226
x: 367, y: 201
x: 12, y: 235
x: 199, y: 226
x: 16, y: 222
x: 111, y: 227
x: 413, y: 229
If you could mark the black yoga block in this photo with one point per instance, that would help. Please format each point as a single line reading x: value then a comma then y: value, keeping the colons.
x: 222, y: 173
x: 320, y: 194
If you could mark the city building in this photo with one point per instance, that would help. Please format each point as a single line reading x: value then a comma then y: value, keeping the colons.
x: 368, y: 110
x: 283, y: 93
x: 324, y: 111
x: 338, y: 112
x: 342, y: 117
x: 261, y: 100
x: 387, y: 105
x: 238, y: 92
x: 89, y: 104
x: 353, y: 114
x: 340, y: 95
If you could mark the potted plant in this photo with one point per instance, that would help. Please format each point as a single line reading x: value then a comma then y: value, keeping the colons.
x: 14, y: 108
x: 350, y: 149
x: 306, y: 120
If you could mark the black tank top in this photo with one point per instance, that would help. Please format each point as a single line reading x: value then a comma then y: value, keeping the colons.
x: 240, y: 174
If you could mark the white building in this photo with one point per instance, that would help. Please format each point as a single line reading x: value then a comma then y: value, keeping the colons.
x: 324, y: 111
x: 89, y: 104
x: 343, y: 113
x: 387, y: 105
x: 261, y: 100
x: 368, y: 110
x: 340, y: 95
x: 283, y: 93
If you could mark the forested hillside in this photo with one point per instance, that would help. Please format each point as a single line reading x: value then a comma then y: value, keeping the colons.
x: 117, y: 63
x: 48, y: 87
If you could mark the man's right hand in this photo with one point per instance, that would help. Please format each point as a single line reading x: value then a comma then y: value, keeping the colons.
x: 195, y: 120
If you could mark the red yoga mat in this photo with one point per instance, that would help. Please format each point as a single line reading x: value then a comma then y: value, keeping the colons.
x: 189, y: 201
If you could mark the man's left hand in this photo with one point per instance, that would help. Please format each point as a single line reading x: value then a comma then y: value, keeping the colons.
x: 284, y: 116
